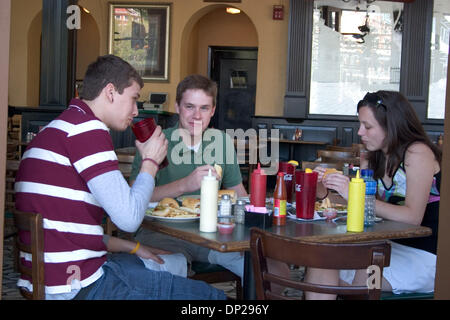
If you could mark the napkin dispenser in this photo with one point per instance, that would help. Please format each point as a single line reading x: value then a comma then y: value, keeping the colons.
x: 260, y: 220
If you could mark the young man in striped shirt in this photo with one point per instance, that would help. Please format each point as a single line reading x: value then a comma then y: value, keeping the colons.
x: 69, y: 174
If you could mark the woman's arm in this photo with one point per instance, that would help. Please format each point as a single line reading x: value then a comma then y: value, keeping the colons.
x: 420, y: 166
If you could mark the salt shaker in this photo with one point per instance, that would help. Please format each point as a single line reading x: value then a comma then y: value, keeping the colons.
x: 239, y: 211
x: 225, y: 205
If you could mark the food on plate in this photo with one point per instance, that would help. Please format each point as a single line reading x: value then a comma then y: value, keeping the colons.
x: 218, y: 170
x: 330, y: 171
x: 168, y: 202
x: 326, y: 204
x: 169, y: 207
x: 191, y: 205
x: 230, y: 192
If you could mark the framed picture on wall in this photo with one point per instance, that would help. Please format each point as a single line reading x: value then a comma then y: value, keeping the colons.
x: 139, y: 34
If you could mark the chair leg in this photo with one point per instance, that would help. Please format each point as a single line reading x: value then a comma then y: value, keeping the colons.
x: 239, y: 291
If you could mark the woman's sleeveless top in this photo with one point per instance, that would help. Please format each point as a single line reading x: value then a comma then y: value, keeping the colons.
x: 396, y: 193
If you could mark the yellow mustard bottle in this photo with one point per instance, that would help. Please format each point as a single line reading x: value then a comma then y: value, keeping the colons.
x: 355, y: 208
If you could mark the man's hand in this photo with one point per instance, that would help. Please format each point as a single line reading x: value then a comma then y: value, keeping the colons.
x: 155, y: 147
x: 193, y: 182
x: 146, y: 252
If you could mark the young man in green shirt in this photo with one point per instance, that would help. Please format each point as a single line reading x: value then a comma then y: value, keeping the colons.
x: 193, y: 150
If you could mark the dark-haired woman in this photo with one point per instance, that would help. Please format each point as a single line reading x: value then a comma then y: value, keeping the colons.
x: 406, y: 166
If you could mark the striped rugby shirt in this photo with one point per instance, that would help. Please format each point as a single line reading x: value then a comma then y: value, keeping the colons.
x: 52, y: 180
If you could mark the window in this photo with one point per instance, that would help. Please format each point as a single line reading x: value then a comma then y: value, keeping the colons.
x: 356, y: 48
x: 439, y: 59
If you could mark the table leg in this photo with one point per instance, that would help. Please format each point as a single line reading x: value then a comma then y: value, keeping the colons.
x: 249, y: 278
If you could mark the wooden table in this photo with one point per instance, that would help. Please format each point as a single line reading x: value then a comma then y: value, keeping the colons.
x: 315, y: 231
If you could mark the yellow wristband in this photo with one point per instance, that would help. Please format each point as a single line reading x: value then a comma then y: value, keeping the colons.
x: 138, y: 244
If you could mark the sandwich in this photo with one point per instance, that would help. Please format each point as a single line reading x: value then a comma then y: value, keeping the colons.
x: 218, y: 170
x: 230, y: 192
x: 330, y: 171
x: 169, y: 207
x: 191, y: 205
x: 168, y: 202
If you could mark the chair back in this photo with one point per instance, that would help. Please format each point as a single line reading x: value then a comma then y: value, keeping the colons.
x: 125, y: 164
x: 12, y: 166
x: 313, y: 164
x: 32, y: 223
x: 340, y: 148
x: 318, y: 255
x: 337, y: 156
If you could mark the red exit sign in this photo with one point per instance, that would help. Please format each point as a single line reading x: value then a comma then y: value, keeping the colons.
x: 278, y: 12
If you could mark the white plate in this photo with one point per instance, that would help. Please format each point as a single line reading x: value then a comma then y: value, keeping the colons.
x: 174, y: 219
x: 149, y: 211
x: 316, y: 217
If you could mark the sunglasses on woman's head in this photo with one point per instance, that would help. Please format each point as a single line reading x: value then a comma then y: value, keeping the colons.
x: 373, y: 99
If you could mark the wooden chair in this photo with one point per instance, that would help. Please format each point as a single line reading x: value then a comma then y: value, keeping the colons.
x: 12, y: 166
x: 32, y: 223
x: 125, y: 164
x: 213, y: 273
x: 340, y: 148
x: 337, y: 156
x: 318, y: 255
x: 313, y: 164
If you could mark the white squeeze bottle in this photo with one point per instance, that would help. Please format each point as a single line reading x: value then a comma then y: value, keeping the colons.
x: 208, y: 203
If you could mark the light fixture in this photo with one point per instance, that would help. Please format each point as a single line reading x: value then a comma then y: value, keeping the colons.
x: 85, y: 10
x: 231, y: 10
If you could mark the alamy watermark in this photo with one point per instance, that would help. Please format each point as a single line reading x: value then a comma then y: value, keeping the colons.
x: 74, y: 19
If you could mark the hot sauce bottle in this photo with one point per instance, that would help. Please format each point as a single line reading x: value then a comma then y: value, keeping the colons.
x: 279, y: 201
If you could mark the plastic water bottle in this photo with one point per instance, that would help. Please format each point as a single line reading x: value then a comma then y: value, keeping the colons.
x: 371, y: 190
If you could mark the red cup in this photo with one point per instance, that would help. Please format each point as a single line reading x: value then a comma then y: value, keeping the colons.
x: 289, y: 173
x: 258, y: 188
x: 305, y: 194
x: 143, y: 130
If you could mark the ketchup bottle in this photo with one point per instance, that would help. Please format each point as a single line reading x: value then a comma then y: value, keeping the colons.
x: 279, y: 201
x: 258, y: 187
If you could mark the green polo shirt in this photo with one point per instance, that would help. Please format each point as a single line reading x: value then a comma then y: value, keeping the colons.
x: 216, y: 148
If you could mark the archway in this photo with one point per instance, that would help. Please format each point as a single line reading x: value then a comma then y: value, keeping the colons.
x: 212, y: 26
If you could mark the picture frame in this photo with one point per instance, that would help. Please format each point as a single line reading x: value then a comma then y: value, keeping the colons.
x: 139, y: 34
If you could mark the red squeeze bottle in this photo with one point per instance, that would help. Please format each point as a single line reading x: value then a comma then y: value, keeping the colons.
x: 258, y: 188
x: 279, y: 201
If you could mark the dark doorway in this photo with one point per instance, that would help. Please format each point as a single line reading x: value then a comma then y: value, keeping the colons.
x: 234, y: 70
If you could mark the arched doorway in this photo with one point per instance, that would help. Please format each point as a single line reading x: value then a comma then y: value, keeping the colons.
x: 208, y: 34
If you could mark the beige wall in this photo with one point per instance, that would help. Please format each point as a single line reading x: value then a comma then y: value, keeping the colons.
x: 194, y: 26
x: 5, y: 6
x: 23, y: 23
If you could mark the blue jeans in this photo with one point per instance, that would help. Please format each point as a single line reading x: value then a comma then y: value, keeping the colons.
x: 126, y: 278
